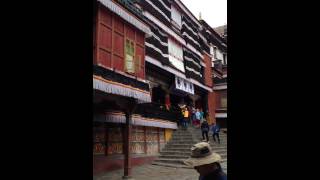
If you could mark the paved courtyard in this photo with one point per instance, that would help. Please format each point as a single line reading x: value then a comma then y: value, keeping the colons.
x: 152, y: 172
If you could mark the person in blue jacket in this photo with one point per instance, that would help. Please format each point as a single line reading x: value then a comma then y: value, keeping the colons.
x: 215, y: 132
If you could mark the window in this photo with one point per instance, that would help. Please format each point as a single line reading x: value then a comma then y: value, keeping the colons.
x: 213, y: 52
x: 129, y: 57
x: 218, y: 54
x: 223, y: 100
x: 176, y: 16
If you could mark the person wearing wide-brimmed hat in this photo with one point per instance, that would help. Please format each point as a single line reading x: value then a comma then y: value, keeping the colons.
x: 206, y: 162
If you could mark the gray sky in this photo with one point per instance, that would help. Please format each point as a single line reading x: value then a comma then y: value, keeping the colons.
x: 214, y: 12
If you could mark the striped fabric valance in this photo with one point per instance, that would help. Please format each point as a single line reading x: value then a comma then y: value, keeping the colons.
x: 157, y: 46
x: 115, y: 88
x: 119, y: 117
x: 158, y: 8
x: 193, y: 68
x: 204, y: 42
x: 112, y: 82
x: 190, y: 32
x: 125, y: 15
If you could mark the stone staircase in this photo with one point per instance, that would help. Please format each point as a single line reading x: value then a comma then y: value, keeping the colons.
x: 178, y: 148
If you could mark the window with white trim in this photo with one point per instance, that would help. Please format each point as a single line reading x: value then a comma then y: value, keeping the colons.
x: 223, y: 100
x: 224, y: 58
x: 129, y: 56
x: 219, y: 54
x: 213, y: 52
x: 176, y: 16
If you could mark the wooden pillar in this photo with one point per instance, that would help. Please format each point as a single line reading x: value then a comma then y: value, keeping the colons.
x: 106, y: 130
x: 167, y: 100
x: 158, y: 139
x: 129, y: 108
x: 145, y: 139
x: 127, y: 153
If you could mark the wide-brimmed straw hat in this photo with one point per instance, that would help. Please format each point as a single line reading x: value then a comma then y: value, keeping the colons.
x: 202, y: 154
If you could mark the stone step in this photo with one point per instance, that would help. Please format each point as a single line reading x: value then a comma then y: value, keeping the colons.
x: 177, y: 149
x: 188, y: 153
x: 182, y: 132
x: 224, y: 144
x: 175, y: 153
x: 181, y: 142
x: 177, y: 161
x: 220, y: 151
x: 218, y: 146
x: 185, y: 156
x: 212, y: 144
x: 177, y: 143
x: 182, y: 139
x: 180, y: 166
x: 182, y: 136
x: 215, y: 148
x: 210, y: 135
x: 223, y: 155
x: 211, y: 138
x: 179, y: 146
x: 215, y: 145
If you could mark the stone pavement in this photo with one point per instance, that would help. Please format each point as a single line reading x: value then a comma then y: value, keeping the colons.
x: 152, y: 172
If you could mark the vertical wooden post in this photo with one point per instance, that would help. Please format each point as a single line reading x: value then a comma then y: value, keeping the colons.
x: 106, y: 130
x: 130, y: 106
x: 145, y: 140
x: 127, y: 153
x: 158, y: 139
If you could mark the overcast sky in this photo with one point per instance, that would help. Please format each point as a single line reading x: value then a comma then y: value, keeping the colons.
x: 214, y: 12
